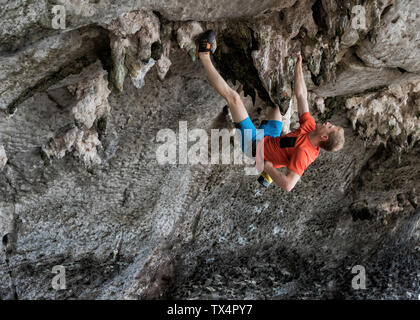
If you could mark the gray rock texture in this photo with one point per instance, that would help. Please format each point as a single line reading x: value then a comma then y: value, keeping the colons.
x: 39, y: 65
x: 3, y: 157
x: 81, y: 185
x: 396, y: 41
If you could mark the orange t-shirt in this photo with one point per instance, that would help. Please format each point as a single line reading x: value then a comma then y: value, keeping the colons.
x: 298, y: 157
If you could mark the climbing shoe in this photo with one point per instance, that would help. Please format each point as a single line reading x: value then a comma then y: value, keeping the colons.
x: 204, y: 41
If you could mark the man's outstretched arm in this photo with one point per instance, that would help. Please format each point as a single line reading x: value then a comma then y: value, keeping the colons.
x: 286, y: 182
x: 300, y: 87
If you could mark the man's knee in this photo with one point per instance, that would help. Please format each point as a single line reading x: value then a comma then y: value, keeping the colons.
x: 233, y: 98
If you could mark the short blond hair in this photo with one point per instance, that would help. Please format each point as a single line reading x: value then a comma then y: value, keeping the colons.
x: 335, y: 141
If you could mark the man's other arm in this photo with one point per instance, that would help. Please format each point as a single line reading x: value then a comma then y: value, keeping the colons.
x: 286, y: 182
x: 300, y: 87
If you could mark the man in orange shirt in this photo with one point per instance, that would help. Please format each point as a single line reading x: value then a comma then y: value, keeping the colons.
x: 296, y: 150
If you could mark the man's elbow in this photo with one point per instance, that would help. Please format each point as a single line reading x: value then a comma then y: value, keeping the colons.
x: 288, y: 187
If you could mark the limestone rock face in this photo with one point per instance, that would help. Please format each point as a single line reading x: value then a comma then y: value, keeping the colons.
x: 82, y: 143
x: 90, y: 92
x: 42, y: 61
x: 186, y: 34
x: 395, y: 42
x: 133, y: 35
x: 353, y: 77
x: 3, y: 157
x: 82, y: 114
x: 390, y: 114
x: 274, y: 58
x: 30, y: 20
x: 141, y: 27
x: 21, y: 21
x: 164, y: 63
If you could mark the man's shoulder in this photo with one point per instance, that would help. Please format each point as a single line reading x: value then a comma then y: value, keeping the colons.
x: 307, y: 123
x: 306, y: 115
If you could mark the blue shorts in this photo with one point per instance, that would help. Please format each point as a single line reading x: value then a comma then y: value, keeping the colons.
x: 249, y: 133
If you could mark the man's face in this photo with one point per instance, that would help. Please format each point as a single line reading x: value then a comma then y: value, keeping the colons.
x: 324, y: 129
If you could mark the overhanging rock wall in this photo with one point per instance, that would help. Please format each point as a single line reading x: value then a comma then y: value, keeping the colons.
x: 80, y: 185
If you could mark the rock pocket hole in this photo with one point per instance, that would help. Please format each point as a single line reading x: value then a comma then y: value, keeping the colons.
x: 386, y: 10
x: 5, y: 240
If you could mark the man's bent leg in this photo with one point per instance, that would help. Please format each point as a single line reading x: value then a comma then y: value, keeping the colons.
x: 236, y: 106
x: 273, y: 125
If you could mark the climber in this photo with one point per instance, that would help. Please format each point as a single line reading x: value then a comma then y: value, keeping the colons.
x: 297, y: 149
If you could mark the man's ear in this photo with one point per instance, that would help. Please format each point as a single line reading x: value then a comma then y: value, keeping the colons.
x: 324, y: 138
